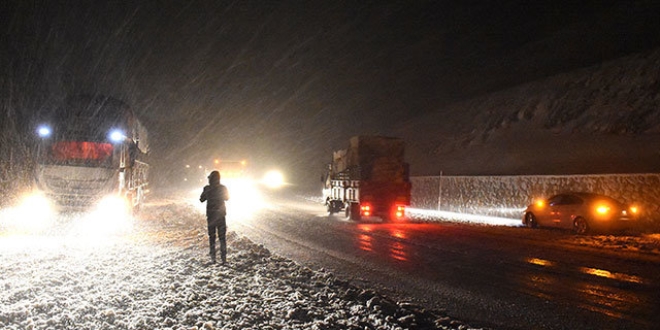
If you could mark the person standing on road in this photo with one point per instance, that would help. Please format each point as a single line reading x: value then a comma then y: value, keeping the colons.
x: 215, y: 195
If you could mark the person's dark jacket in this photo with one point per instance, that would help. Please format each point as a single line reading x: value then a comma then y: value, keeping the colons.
x: 215, y: 195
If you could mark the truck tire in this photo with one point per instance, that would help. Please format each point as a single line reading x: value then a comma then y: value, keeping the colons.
x: 353, y: 212
x: 334, y: 206
x: 139, y: 195
x: 330, y: 207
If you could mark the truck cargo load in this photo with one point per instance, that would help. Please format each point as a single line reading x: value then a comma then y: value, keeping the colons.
x: 369, y: 178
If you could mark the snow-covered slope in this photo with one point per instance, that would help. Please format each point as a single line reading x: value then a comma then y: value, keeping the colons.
x: 600, y: 119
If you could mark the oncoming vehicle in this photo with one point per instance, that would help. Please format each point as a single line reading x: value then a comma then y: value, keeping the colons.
x: 581, y: 212
x: 91, y: 151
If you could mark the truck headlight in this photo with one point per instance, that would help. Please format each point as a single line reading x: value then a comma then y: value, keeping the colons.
x: 35, y: 213
x: 116, y: 136
x: 44, y: 131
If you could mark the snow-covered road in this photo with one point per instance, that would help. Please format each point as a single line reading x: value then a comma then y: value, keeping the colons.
x: 156, y: 275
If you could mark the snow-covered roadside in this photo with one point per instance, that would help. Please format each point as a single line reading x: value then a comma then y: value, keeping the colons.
x: 157, y: 276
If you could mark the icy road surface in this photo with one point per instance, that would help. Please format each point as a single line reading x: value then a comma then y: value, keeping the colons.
x: 156, y: 275
x: 504, y: 277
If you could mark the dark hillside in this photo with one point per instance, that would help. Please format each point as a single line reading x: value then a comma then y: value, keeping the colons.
x: 600, y: 119
x: 555, y: 37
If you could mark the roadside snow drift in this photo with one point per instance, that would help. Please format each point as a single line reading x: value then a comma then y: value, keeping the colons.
x: 157, y: 275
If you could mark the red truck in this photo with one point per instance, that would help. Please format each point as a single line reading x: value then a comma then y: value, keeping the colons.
x: 368, y: 179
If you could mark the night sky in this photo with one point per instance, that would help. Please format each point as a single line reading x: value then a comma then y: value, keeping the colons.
x: 283, y: 83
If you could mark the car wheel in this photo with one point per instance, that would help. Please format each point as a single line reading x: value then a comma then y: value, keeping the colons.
x: 580, y: 226
x: 530, y: 221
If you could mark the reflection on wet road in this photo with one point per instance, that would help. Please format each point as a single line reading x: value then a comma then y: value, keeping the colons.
x: 613, y: 294
x: 395, y: 248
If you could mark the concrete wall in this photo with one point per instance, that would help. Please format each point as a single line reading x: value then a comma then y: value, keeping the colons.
x: 508, y: 195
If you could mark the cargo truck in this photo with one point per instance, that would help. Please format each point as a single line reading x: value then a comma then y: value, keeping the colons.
x: 90, y: 149
x: 368, y: 179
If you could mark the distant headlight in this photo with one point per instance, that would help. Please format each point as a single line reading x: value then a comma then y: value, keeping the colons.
x: 274, y: 179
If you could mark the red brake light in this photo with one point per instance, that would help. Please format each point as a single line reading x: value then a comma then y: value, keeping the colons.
x: 400, y: 211
x: 365, y: 210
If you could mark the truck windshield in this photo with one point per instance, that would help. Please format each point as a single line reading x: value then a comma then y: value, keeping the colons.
x: 78, y: 153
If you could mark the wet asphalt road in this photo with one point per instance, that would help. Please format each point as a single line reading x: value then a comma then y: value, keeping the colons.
x: 487, y: 276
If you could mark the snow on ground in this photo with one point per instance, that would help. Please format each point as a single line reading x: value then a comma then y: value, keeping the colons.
x: 157, y: 275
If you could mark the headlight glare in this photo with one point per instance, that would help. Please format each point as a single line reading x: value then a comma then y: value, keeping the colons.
x: 44, y: 131
x: 602, y: 209
x: 116, y: 136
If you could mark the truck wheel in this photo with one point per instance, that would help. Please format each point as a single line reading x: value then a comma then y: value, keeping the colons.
x: 334, y: 206
x: 353, y: 212
x: 139, y: 200
x: 330, y: 207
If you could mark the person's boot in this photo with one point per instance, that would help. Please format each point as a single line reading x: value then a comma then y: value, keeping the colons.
x: 212, y: 250
x: 223, y: 253
x: 212, y: 255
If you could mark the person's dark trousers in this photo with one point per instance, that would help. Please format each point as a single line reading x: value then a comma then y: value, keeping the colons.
x: 219, y: 226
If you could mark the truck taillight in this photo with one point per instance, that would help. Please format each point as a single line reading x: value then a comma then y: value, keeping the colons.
x: 400, y: 211
x: 365, y: 210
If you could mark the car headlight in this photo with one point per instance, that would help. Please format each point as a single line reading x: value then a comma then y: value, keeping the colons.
x: 634, y: 209
x: 602, y: 209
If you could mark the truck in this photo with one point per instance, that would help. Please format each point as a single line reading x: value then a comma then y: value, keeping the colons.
x: 368, y: 179
x: 90, y: 149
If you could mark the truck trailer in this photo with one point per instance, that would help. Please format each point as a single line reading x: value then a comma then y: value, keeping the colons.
x: 368, y: 179
x: 90, y: 149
